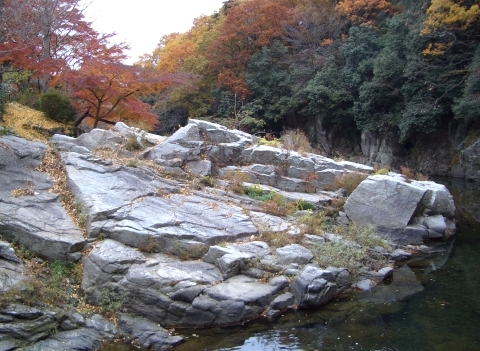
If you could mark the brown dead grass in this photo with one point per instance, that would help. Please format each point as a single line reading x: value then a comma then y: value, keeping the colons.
x: 28, y: 123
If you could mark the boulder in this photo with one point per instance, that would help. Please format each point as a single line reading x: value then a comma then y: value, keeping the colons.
x: 293, y: 253
x: 313, y: 287
x: 393, y: 205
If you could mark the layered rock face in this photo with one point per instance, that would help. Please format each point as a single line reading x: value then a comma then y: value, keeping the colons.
x: 185, y: 256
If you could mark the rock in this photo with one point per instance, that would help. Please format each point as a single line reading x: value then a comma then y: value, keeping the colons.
x: 82, y: 339
x: 391, y: 205
x: 201, y: 167
x: 282, y: 302
x: 436, y: 226
x: 231, y: 264
x: 293, y: 253
x: 8, y: 253
x: 400, y: 255
x: 280, y: 282
x: 313, y: 287
x: 37, y: 220
x: 413, y: 234
x: 147, y: 334
x: 29, y: 323
x: 437, y: 198
x: 365, y: 284
x: 145, y: 211
x: 384, y: 202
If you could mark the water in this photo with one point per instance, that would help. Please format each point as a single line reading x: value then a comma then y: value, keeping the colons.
x: 432, y: 304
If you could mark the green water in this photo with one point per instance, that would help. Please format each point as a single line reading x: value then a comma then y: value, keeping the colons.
x: 433, y: 304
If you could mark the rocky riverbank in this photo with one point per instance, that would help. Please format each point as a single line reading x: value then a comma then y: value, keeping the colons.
x: 165, y: 232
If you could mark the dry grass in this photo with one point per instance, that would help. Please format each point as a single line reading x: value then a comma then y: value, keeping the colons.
x: 30, y: 124
x: 53, y: 165
x: 407, y: 173
x: 348, y: 181
x: 235, y: 181
x: 296, y: 140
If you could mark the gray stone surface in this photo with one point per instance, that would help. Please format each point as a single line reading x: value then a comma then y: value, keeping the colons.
x: 313, y: 287
x: 400, y: 255
x: 293, y: 253
x: 138, y: 208
x: 384, y: 202
x: 37, y: 221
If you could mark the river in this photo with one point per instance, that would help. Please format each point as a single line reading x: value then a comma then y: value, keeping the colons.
x: 431, y: 304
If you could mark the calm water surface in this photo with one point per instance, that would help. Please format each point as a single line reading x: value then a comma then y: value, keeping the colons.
x: 431, y: 304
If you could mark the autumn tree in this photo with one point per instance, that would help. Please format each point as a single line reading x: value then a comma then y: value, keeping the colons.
x: 106, y: 89
x: 247, y: 28
x: 364, y: 11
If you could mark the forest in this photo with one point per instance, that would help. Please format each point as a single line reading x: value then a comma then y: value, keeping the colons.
x: 407, y: 67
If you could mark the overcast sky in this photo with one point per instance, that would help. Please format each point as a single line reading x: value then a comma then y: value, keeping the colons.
x: 141, y: 23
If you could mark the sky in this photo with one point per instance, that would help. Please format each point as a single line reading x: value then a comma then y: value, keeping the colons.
x: 141, y: 23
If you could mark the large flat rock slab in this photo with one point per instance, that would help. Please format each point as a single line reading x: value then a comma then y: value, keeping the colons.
x: 137, y: 207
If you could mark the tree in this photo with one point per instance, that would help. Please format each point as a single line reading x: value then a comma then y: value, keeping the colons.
x: 364, y: 11
x: 50, y: 36
x: 106, y: 89
x: 247, y: 28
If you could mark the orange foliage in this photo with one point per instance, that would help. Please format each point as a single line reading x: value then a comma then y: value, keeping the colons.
x: 110, y: 91
x: 364, y: 11
x: 247, y: 28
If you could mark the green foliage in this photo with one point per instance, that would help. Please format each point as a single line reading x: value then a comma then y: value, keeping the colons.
x: 302, y: 205
x: 329, y: 96
x: 468, y: 105
x: 254, y: 191
x: 57, y: 107
x: 111, y: 301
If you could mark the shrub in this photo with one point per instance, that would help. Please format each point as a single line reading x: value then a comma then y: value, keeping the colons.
x: 236, y: 180
x: 353, y: 251
x: 296, y: 140
x: 207, y: 181
x: 349, y: 181
x: 57, y: 107
x: 133, y: 143
x: 407, y: 173
x: 302, y: 205
x: 382, y: 171
x: 254, y: 191
x: 278, y: 206
x: 273, y: 142
x: 6, y: 131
